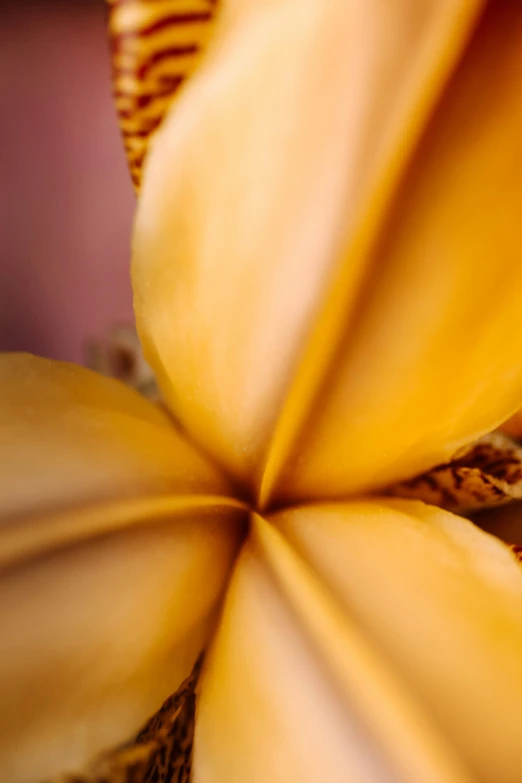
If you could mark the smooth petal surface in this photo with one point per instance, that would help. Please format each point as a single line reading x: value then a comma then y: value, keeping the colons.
x: 293, y: 692
x: 254, y: 186
x: 69, y: 437
x: 442, y: 602
x: 432, y: 357
x: 113, y: 558
x: 98, y: 631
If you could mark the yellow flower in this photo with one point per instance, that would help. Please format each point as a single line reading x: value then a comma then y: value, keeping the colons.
x: 328, y: 284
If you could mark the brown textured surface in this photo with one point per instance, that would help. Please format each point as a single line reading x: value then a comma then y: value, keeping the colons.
x: 161, y: 752
x: 485, y: 474
x: 155, y: 45
x: 119, y: 355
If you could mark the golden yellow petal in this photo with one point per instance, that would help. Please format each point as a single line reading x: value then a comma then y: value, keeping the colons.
x: 255, y: 179
x: 293, y: 693
x: 431, y: 358
x: 69, y: 437
x: 442, y: 601
x: 97, y: 630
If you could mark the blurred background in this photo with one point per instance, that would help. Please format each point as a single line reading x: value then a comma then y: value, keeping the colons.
x: 66, y: 199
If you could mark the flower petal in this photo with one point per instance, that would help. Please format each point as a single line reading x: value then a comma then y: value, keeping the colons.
x: 69, y: 437
x: 431, y: 358
x: 98, y: 630
x: 161, y: 750
x: 292, y: 691
x: 484, y: 474
x: 155, y: 47
x: 112, y: 563
x: 252, y: 185
x: 442, y: 601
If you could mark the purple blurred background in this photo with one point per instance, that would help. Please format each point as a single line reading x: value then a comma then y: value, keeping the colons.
x: 66, y: 199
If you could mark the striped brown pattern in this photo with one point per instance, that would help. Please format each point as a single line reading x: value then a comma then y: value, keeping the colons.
x: 155, y: 45
x: 485, y: 474
x: 161, y: 752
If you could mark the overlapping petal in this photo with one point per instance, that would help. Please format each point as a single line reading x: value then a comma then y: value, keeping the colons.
x: 69, y: 436
x: 294, y: 692
x: 255, y: 186
x: 97, y: 633
x: 113, y: 561
x: 432, y: 356
x: 442, y: 603
x: 327, y: 283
